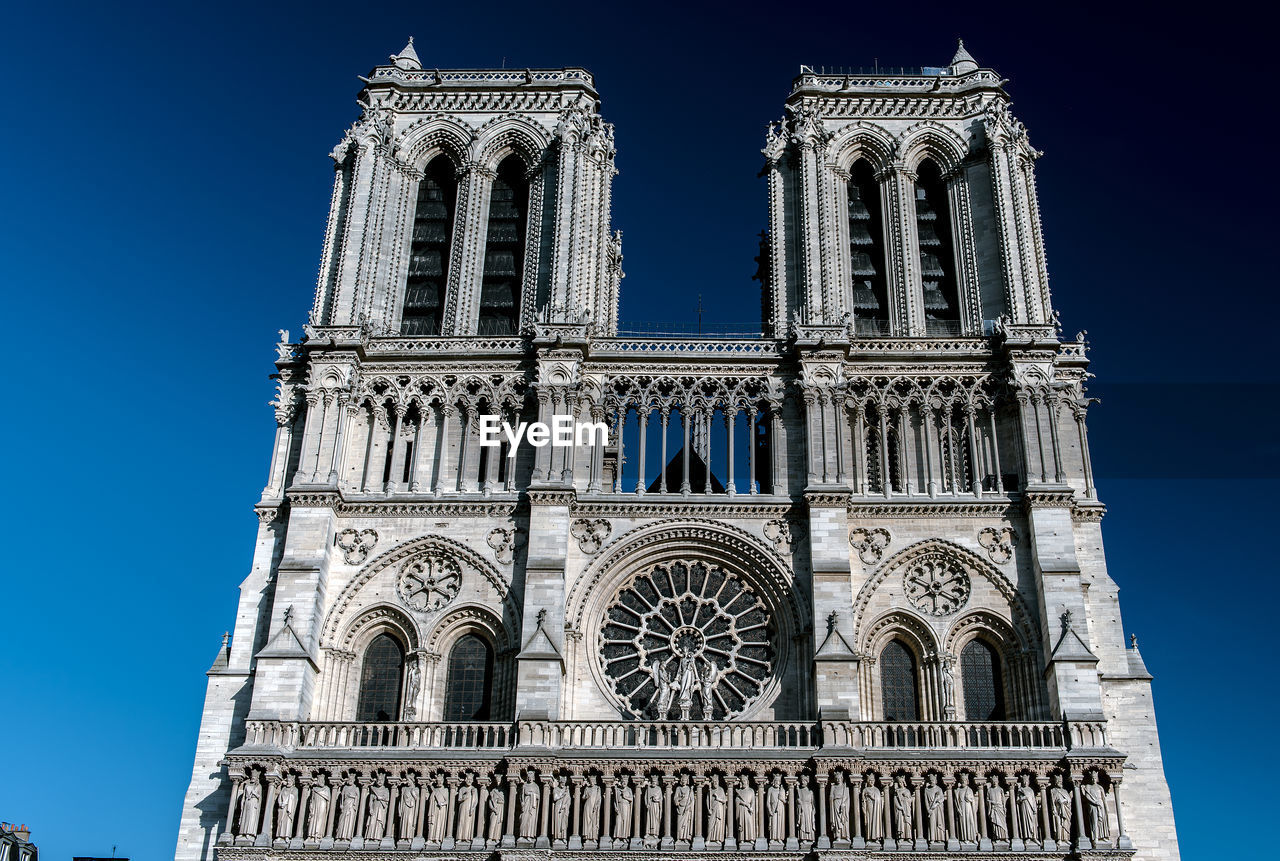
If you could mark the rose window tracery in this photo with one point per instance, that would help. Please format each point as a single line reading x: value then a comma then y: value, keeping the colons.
x: 429, y: 582
x: 936, y: 584
x: 687, y: 639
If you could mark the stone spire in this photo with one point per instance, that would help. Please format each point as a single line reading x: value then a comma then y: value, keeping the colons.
x: 407, y: 58
x: 961, y: 64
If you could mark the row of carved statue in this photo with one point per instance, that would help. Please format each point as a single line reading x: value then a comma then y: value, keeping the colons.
x: 645, y: 809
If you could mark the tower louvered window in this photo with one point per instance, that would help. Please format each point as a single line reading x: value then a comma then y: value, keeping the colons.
x: 866, y: 252
x: 470, y: 679
x: 504, y: 251
x: 937, y: 252
x: 898, y: 683
x: 380, y: 676
x: 425, y: 287
x: 980, y: 677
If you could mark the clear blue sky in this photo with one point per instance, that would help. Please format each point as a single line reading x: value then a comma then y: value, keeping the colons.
x: 164, y: 194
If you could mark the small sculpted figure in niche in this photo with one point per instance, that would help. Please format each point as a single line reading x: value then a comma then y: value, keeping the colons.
x: 251, y: 803
x: 652, y: 808
x: 1094, y: 799
x: 804, y: 810
x: 560, y: 808
x: 717, y: 800
x: 497, y: 805
x: 839, y: 807
x: 1059, y: 809
x: 935, y: 814
x: 966, y: 810
x: 318, y: 823
x: 745, y: 811
x: 683, y: 800
x: 468, y: 801
x: 1024, y: 795
x: 997, y: 818
x: 775, y: 803
x: 902, y: 808
x: 348, y: 804
x: 624, y: 799
x: 286, y: 807
x: 529, y: 801
x: 379, y: 802
x: 437, y: 811
x: 591, y: 795
x: 407, y: 809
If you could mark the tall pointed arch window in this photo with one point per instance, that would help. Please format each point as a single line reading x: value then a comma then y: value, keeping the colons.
x: 381, y: 675
x: 504, y: 250
x: 423, y: 310
x: 898, y: 683
x: 866, y: 251
x: 469, y: 682
x: 937, y: 252
x: 982, y: 683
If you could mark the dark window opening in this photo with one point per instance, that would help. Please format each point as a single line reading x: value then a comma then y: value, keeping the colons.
x: 424, y: 293
x: 504, y: 250
x: 898, y: 683
x: 380, y: 678
x: 937, y: 252
x: 469, y: 681
x: 866, y: 252
x: 983, y: 686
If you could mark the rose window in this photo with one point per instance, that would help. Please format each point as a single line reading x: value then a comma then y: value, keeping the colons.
x: 429, y: 582
x: 937, y: 585
x: 687, y: 640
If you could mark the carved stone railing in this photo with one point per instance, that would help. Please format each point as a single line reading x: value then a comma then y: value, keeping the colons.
x: 991, y: 735
x: 651, y: 735
x: 679, y: 735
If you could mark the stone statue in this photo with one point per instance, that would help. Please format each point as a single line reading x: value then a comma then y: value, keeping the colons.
x: 652, y: 808
x: 468, y: 801
x: 662, y: 688
x: 839, y: 808
x: 872, y: 809
x: 251, y: 804
x: 1094, y: 799
x: 497, y: 805
x: 745, y: 811
x: 804, y: 810
x: 591, y: 809
x: 379, y: 801
x: 903, y: 808
x: 717, y: 799
x: 529, y: 801
x: 560, y: 809
x: 318, y: 824
x: 934, y: 810
x: 966, y: 811
x: 775, y: 801
x: 437, y: 811
x: 687, y: 682
x: 624, y: 798
x: 683, y: 800
x: 1024, y: 797
x: 948, y: 689
x: 286, y: 807
x: 710, y: 677
x: 1059, y: 809
x: 348, y: 802
x: 407, y: 808
x: 412, y: 682
x: 997, y: 821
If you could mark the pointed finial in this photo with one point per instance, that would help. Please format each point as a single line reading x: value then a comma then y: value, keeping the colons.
x: 1133, y: 641
x: 832, y: 620
x: 962, y: 63
x: 226, y: 638
x: 542, y: 617
x: 288, y: 614
x: 407, y: 58
x: 1066, y: 621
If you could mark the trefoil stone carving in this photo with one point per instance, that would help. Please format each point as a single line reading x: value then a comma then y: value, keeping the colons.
x: 998, y: 543
x: 870, y: 543
x: 591, y: 534
x: 356, y: 544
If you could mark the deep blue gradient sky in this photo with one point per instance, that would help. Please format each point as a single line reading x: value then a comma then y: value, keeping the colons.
x: 163, y: 198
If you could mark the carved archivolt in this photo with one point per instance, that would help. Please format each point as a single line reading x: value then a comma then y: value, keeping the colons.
x: 375, y: 619
x: 464, y: 556
x: 937, y: 550
x: 470, y: 618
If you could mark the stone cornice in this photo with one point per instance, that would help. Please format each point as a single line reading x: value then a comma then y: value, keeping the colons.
x: 635, y: 507
x: 472, y: 507
x: 868, y: 508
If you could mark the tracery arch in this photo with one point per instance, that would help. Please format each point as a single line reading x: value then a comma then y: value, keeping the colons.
x: 631, y: 559
x: 449, y: 631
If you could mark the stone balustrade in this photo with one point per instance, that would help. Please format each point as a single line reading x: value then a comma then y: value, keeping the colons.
x: 669, y: 735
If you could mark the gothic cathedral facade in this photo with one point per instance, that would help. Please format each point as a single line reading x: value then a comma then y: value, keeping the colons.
x: 835, y: 590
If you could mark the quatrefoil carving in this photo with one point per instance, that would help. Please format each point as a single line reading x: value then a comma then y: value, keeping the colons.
x: 356, y: 544
x: 870, y: 543
x: 998, y: 543
x: 591, y: 534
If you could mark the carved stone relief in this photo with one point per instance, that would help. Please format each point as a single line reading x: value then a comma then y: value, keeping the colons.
x: 356, y: 544
x: 936, y: 584
x: 591, y: 534
x: 998, y: 543
x: 428, y: 582
x: 870, y: 544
